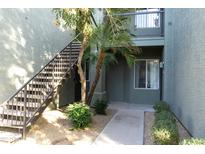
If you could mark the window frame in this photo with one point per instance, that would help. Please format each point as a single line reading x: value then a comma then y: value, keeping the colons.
x: 146, y: 60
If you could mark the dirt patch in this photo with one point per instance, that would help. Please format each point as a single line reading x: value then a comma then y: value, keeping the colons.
x: 53, y: 128
x: 183, y: 134
x: 148, y: 123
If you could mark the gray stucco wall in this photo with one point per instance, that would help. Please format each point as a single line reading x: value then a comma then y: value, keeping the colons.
x: 28, y: 40
x: 184, y: 70
x: 67, y: 92
x: 120, y: 81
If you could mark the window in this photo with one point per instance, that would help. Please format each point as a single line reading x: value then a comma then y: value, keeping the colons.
x: 146, y: 74
x: 147, y: 18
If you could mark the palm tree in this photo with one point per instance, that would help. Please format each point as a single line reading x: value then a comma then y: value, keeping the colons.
x: 112, y: 39
x: 107, y: 36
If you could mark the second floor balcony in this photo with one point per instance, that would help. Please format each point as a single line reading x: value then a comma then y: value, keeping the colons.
x: 149, y: 23
x: 146, y: 26
x: 146, y: 23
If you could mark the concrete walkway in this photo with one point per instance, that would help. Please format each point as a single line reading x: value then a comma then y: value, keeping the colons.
x: 126, y: 127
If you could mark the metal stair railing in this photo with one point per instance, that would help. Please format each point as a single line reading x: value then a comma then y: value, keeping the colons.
x: 45, y: 81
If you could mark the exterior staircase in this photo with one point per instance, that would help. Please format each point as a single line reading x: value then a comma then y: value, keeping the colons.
x: 19, y: 111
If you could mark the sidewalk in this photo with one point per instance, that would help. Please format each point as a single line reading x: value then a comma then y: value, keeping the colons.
x: 126, y: 127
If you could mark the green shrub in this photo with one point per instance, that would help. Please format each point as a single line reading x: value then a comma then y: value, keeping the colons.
x: 193, y: 141
x: 165, y: 132
x: 164, y: 115
x: 80, y: 115
x: 161, y: 106
x: 100, y: 106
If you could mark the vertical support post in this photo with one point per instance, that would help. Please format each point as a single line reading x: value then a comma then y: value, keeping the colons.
x: 24, y: 113
x: 70, y: 54
x: 53, y: 76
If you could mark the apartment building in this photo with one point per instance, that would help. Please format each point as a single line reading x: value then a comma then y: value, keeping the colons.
x: 171, y: 66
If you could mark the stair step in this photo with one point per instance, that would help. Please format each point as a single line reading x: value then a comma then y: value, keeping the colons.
x: 32, y: 91
x: 52, y: 81
x: 64, y: 61
x: 11, y: 123
x: 58, y: 68
x: 21, y: 98
x: 40, y: 84
x: 67, y: 53
x: 74, y: 51
x: 72, y: 54
x: 32, y: 96
x: 71, y: 51
x: 9, y: 136
x: 49, y: 74
x: 58, y: 65
x: 16, y: 113
x: 36, y: 91
x: 55, y: 69
x: 42, y: 90
x: 20, y: 107
x: 21, y: 104
x: 74, y: 46
x: 49, y: 78
x: 63, y: 57
x: 46, y: 85
x: 52, y: 73
x: 56, y: 75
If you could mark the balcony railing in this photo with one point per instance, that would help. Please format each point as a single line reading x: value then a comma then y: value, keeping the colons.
x: 146, y: 23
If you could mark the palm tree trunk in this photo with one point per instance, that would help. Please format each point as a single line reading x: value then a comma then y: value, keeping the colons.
x: 80, y: 70
x: 99, y: 64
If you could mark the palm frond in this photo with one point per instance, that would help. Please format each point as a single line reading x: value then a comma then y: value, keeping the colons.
x: 110, y: 59
x: 90, y: 56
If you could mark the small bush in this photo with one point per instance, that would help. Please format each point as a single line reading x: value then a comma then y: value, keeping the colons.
x: 164, y: 115
x: 100, y: 107
x: 165, y: 132
x: 80, y: 115
x: 193, y: 141
x: 161, y: 106
x: 165, y: 123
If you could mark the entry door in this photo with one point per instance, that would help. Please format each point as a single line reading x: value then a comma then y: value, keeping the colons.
x: 115, y: 82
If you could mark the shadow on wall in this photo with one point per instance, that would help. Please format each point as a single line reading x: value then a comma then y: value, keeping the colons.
x: 28, y: 40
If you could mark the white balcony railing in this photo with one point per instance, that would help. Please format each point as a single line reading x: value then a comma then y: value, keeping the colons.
x: 146, y: 22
